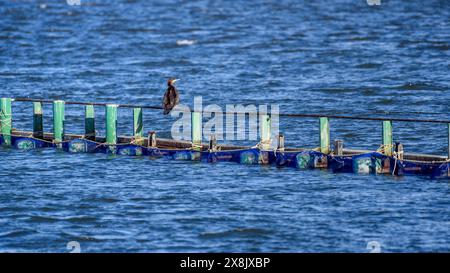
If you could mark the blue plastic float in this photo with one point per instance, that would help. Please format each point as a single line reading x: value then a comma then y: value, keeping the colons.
x: 367, y: 163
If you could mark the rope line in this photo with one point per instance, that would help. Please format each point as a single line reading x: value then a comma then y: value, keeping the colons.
x: 396, y: 155
x: 319, y: 148
x: 195, y: 146
x: 260, y: 144
x: 292, y: 115
x: 383, y: 147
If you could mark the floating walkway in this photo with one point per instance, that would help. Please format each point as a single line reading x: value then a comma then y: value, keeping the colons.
x: 389, y: 159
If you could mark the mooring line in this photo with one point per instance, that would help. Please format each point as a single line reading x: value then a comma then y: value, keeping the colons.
x: 291, y: 115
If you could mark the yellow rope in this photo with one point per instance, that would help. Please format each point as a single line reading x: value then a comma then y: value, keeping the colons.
x: 318, y: 149
x: 137, y: 140
x: 383, y: 147
x: 81, y: 138
x: 260, y: 144
x: 195, y: 146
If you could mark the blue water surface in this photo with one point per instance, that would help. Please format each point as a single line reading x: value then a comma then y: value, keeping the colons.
x: 334, y: 57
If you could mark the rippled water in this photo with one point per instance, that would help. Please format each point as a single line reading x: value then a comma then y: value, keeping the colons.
x: 341, y: 57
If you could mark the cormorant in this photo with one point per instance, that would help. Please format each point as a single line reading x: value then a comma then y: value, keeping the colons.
x: 171, y: 97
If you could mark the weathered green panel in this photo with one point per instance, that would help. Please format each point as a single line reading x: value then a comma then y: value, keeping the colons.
x: 324, y: 136
x: 387, y: 137
x: 6, y: 120
x: 138, y: 126
x: 196, y: 129
x: 111, y: 123
x: 58, y: 120
x: 38, y: 124
x: 89, y: 122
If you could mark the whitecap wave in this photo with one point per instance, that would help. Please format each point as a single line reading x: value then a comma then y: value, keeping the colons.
x: 186, y: 42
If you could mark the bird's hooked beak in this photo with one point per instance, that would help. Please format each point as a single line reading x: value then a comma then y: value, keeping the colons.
x: 175, y: 80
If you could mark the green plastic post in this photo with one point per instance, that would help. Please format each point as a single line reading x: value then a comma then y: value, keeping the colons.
x: 89, y: 122
x: 38, y: 127
x: 58, y: 120
x: 138, y: 127
x: 111, y: 123
x: 265, y: 132
x: 387, y: 137
x: 6, y: 120
x: 196, y: 130
x: 324, y: 136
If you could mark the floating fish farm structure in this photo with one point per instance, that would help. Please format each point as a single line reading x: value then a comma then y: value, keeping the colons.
x: 389, y: 159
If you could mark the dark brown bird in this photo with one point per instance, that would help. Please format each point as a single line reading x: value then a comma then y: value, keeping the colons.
x: 171, y: 97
